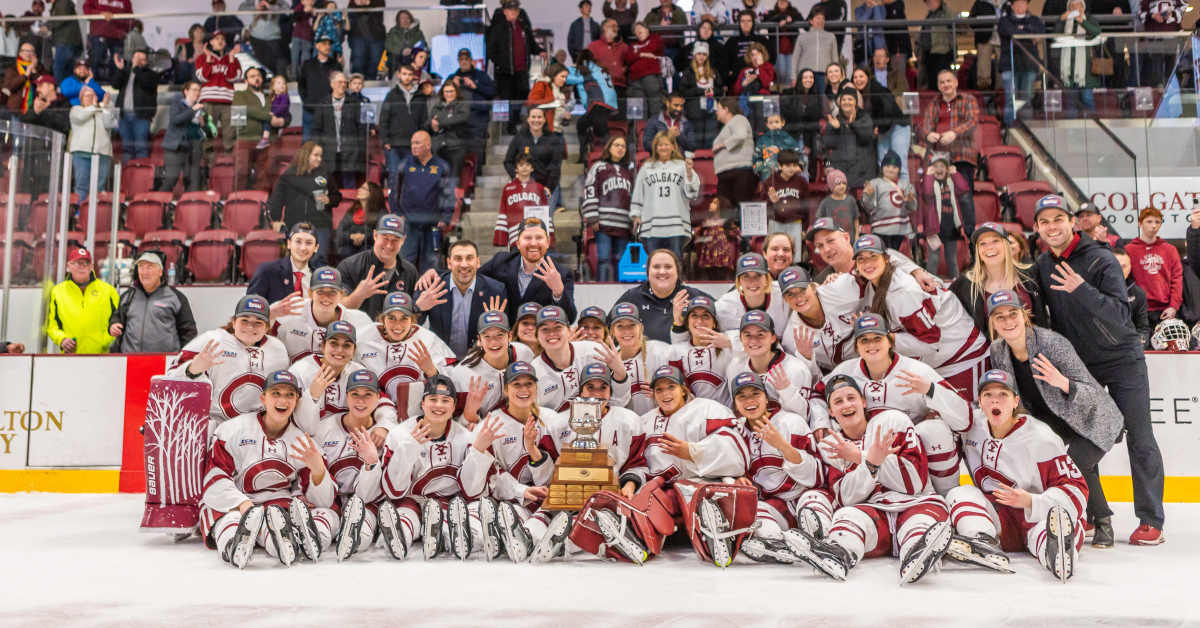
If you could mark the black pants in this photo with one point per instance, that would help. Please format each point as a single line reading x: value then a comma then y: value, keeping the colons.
x: 513, y: 87
x: 967, y: 169
x: 1086, y: 456
x: 1129, y: 386
x: 935, y: 63
x: 893, y: 241
x: 183, y: 161
x: 737, y: 185
x: 270, y: 53
x: 593, y: 129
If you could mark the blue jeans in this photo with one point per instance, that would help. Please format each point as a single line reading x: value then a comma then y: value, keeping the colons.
x: 364, y: 56
x: 1018, y: 85
x: 64, y: 61
x: 100, y: 52
x: 818, y: 81
x: 135, y: 136
x: 81, y: 170
x: 394, y: 156
x: 306, y: 122
x: 674, y: 243
x: 896, y: 139
x: 609, y: 250
x: 422, y: 246
x: 302, y: 50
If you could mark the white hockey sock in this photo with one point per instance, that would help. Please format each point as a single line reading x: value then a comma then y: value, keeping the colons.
x: 366, y: 534
x: 854, y: 531
x: 410, y: 519
x: 912, y: 530
x: 942, y: 454
x: 326, y: 522
x: 224, y: 528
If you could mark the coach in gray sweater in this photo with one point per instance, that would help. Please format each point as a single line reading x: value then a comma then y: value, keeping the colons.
x: 1056, y: 388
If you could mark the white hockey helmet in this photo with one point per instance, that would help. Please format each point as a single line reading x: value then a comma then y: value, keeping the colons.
x: 1171, y: 334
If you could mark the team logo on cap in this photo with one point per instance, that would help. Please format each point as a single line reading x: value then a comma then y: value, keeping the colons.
x: 1050, y: 201
x: 282, y: 377
x: 528, y: 309
x: 398, y: 299
x: 551, y: 314
x: 751, y: 262
x: 362, y: 376
x: 340, y: 327
x: 868, y: 242
x: 759, y: 318
x: 746, y: 378
x: 390, y: 222
x: 667, y: 371
x: 254, y: 304
x: 869, y: 321
x: 326, y: 274
x: 592, y: 312
x: 700, y: 302
x: 996, y: 376
x: 824, y: 224
x: 492, y: 318
x: 790, y: 275
x: 595, y: 370
x: 625, y: 310
x: 519, y: 368
x: 1004, y: 297
x: 992, y: 226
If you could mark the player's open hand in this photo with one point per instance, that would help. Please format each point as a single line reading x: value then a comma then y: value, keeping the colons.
x: 305, y: 450
x: 913, y: 384
x: 364, y: 446
x: 1066, y: 279
x: 529, y: 434
x: 676, y: 447
x: 1013, y: 497
x: 290, y: 305
x: 842, y: 449
x: 804, y: 337
x: 486, y: 433
x: 881, y: 447
x: 476, y: 389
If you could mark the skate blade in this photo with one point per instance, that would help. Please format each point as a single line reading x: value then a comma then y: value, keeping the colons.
x: 351, y: 527
x: 432, y: 530
x: 937, y: 540
x: 460, y: 530
x: 487, y: 519
x: 1062, y: 532
x: 517, y: 551
x: 801, y: 547
x: 961, y: 551
x: 277, y: 523
x: 388, y: 523
x: 612, y: 536
x: 811, y: 523
x: 301, y: 525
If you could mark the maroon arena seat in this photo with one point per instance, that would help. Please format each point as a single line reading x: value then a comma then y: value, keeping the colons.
x: 1025, y: 195
x: 987, y: 202
x: 137, y: 176
x: 254, y: 195
x: 211, y: 256
x: 242, y: 216
x: 261, y: 245
x: 193, y: 216
x: 169, y: 241
x: 143, y: 215
x: 1005, y: 164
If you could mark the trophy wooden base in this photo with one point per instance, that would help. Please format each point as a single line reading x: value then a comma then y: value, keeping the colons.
x: 578, y: 474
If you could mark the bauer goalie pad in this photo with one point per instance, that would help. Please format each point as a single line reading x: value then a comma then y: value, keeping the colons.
x: 650, y: 514
x: 175, y: 437
x: 739, y: 505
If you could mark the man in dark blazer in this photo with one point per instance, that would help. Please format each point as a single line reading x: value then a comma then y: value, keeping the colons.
x: 529, y: 275
x: 279, y: 278
x: 337, y: 126
x: 458, y: 296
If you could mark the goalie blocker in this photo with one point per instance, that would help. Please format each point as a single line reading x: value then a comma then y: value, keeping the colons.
x: 655, y: 512
x: 176, y: 438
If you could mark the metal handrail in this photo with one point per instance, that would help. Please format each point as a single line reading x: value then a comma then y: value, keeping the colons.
x: 1038, y: 146
x: 1122, y: 145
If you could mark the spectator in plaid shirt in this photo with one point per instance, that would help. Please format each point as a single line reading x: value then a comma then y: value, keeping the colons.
x: 948, y: 124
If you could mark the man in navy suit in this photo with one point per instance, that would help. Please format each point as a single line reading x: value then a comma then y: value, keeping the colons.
x: 277, y: 279
x: 458, y: 296
x: 529, y: 275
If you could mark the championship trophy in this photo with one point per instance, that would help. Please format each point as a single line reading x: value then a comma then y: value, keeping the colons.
x: 583, y: 468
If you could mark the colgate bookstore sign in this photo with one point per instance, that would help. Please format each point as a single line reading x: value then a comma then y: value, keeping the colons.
x: 1119, y: 201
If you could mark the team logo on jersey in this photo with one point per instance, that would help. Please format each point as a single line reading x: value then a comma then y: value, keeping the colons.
x: 1152, y: 263
x: 254, y: 356
x: 332, y: 393
x: 246, y: 442
x: 439, y: 455
x: 396, y: 353
x: 330, y: 443
x: 991, y: 454
x: 371, y: 354
x: 297, y: 332
x: 896, y: 197
x: 660, y: 424
x: 549, y: 389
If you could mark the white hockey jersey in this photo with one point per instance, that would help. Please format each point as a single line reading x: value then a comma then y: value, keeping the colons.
x: 888, y: 392
x: 703, y: 369
x: 933, y: 328
x: 717, y: 447
x: 833, y: 342
x: 641, y: 368
x: 400, y: 378
x: 1030, y: 457
x: 556, y: 386
x: 306, y: 370
x: 303, y: 335
x: 238, y: 379
x: 330, y: 434
x: 731, y: 308
x: 796, y: 397
x: 442, y: 467
x: 903, y: 477
x: 244, y: 464
x: 461, y: 374
x: 774, y: 476
x: 514, y: 473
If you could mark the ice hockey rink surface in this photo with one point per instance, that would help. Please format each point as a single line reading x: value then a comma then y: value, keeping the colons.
x: 79, y: 560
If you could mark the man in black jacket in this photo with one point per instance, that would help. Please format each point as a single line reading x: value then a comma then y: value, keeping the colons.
x: 1085, y: 293
x: 313, y: 83
x: 138, y: 100
x: 370, y: 275
x: 510, y: 44
x: 50, y: 110
x: 290, y: 274
x: 403, y: 113
x: 476, y: 87
x: 529, y: 275
x: 338, y: 128
x: 583, y: 31
x: 152, y: 317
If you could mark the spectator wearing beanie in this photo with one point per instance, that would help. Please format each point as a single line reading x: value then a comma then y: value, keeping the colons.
x: 1156, y: 267
x: 840, y: 205
x: 81, y: 77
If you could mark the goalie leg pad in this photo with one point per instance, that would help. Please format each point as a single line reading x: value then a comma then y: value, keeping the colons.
x: 650, y: 514
x: 717, y: 517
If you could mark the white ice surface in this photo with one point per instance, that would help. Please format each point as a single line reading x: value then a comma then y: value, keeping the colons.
x: 80, y: 560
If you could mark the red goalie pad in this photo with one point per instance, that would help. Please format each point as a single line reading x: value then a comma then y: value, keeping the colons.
x: 176, y: 449
x: 651, y: 514
x: 738, y: 503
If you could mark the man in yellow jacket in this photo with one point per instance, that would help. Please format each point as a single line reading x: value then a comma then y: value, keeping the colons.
x: 80, y: 307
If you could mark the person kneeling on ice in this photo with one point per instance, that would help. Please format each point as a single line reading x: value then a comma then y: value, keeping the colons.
x: 265, y: 451
x: 687, y: 440
x: 1027, y: 492
x: 346, y: 441
x: 784, y: 467
x: 430, y: 473
x: 620, y: 434
x: 878, y: 475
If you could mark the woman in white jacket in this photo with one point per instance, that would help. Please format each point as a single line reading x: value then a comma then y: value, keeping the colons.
x: 662, y: 195
x: 90, y: 121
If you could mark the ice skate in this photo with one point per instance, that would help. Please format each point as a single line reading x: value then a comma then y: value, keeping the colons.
x: 982, y: 549
x: 811, y: 523
x: 241, y: 547
x: 926, y: 552
x: 394, y: 536
x: 828, y: 558
x: 516, y: 538
x: 279, y: 529
x: 713, y: 526
x: 304, y: 529
x: 769, y: 551
x: 352, y: 520
x: 553, y: 543
x: 458, y: 520
x: 431, y: 528
x: 1058, y: 555
x: 618, y: 535
x: 493, y: 542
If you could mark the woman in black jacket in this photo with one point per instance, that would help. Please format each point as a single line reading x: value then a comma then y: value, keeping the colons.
x: 802, y: 111
x: 546, y: 151
x: 993, y: 269
x: 701, y: 88
x: 356, y: 231
x: 305, y: 193
x: 706, y: 33
x: 449, y: 124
